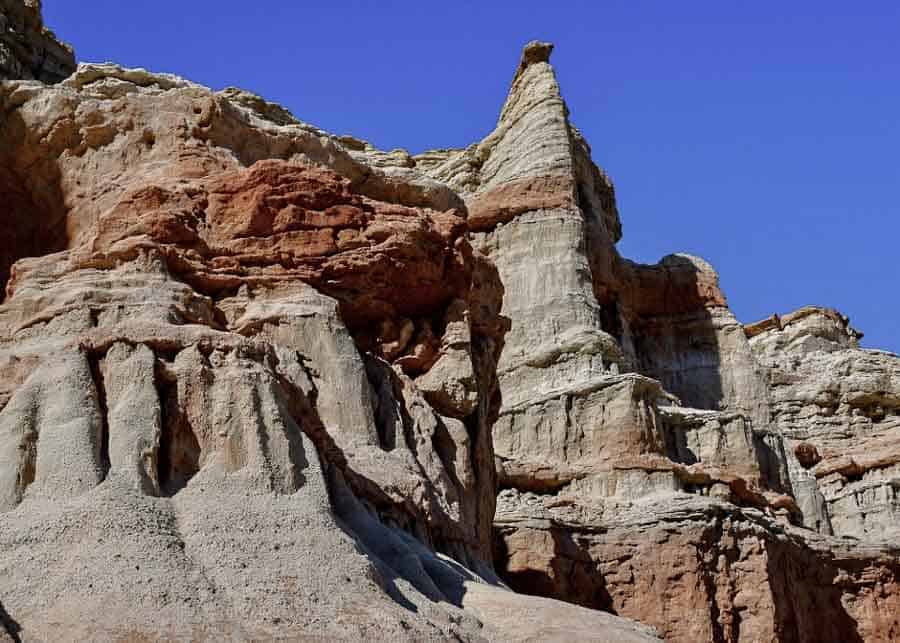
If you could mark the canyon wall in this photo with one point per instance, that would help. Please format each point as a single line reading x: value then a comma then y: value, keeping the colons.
x: 260, y: 381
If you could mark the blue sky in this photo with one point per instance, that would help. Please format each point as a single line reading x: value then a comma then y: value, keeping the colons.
x: 761, y: 136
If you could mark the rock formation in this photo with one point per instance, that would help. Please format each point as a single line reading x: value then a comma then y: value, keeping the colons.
x: 261, y: 381
x: 648, y: 445
x: 28, y: 49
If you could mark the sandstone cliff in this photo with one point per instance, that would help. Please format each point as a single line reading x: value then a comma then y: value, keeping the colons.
x: 260, y: 381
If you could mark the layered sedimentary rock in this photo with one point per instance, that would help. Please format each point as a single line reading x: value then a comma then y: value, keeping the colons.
x: 646, y: 449
x: 248, y: 381
x: 838, y: 408
x: 260, y: 381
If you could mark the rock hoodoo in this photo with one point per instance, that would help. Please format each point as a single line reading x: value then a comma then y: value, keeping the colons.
x: 260, y: 381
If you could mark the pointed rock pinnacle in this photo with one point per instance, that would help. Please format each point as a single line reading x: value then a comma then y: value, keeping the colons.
x: 535, y: 51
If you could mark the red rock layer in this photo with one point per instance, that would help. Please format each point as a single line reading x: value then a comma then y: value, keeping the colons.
x: 275, y: 222
x: 504, y: 203
x: 710, y: 580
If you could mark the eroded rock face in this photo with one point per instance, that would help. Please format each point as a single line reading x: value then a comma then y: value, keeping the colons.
x: 259, y: 381
x: 249, y: 376
x: 180, y: 367
x: 647, y: 442
x: 838, y: 408
x: 698, y: 567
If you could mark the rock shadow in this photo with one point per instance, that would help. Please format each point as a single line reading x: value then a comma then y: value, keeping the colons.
x: 400, y: 546
x: 571, y: 575
x: 807, y: 598
x: 672, y: 332
x: 10, y: 625
x: 178, y: 459
x: 772, y: 458
x: 398, y: 555
x: 32, y: 210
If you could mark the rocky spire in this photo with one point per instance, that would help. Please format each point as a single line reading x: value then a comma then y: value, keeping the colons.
x: 535, y: 51
x: 528, y: 155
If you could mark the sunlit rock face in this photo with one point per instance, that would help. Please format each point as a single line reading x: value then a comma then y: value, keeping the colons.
x: 655, y: 458
x: 838, y: 408
x: 249, y: 379
x: 261, y: 382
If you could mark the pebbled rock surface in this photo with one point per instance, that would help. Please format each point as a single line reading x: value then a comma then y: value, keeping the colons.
x: 263, y: 382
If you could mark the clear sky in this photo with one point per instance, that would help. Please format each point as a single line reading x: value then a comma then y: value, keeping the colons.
x: 763, y: 136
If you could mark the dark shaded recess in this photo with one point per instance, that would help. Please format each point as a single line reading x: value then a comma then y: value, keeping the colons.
x: 32, y: 209
x: 808, y: 607
x: 100, y: 389
x: 387, y: 413
x: 574, y: 577
x: 683, y: 354
x: 769, y: 459
x: 611, y: 320
x: 676, y: 445
x: 179, y: 451
x: 672, y: 330
x: 28, y: 466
